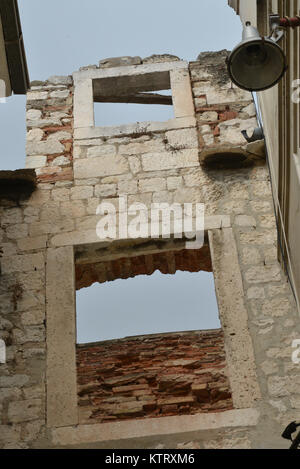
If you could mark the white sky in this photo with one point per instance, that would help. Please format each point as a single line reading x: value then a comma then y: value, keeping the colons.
x: 62, y: 35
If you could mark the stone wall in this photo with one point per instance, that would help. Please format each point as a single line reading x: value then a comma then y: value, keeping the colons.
x: 153, y: 376
x: 77, y: 168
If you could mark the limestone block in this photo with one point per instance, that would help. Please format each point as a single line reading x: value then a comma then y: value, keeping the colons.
x: 184, y: 195
x: 37, y: 161
x: 28, y: 244
x: 262, y: 189
x: 161, y: 161
x: 34, y: 392
x: 158, y: 58
x: 263, y: 274
x: 60, y: 80
x: 162, y: 197
x: 15, y: 381
x: 84, y: 104
x: 98, y: 167
x: 74, y: 208
x: 11, y: 394
x: 119, y: 61
x: 251, y: 255
x: 209, y: 116
x: 81, y: 192
x: 205, y: 129
x: 60, y: 135
x: 228, y: 443
x: 276, y: 307
x: 11, y: 216
x: 183, y: 138
x: 31, y: 334
x: 127, y: 187
x: 255, y: 293
x: 152, y: 184
x: 60, y: 161
x: 62, y: 194
x: 269, y: 367
x: 33, y: 114
x: 43, y: 123
x: 22, y: 263
x: 104, y: 190
x: 33, y: 318
x: 245, y: 220
x: 250, y: 110
x: 95, y: 152
x: 61, y: 94
x: 134, y: 164
x: 35, y: 135
x: 228, y: 95
x: 208, y: 139
x: 143, y: 147
x: 230, y: 130
x: 259, y: 237
x: 10, y: 433
x: 173, y: 182
x: 61, y: 361
x: 24, y: 411
x: 181, y: 93
x: 48, y: 147
x: 37, y: 95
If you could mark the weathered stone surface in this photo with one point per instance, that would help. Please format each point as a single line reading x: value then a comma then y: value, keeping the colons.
x: 152, y: 184
x: 37, y: 161
x: 13, y: 381
x: 158, y: 58
x: 49, y: 147
x: 104, y: 166
x: 61, y: 94
x: 37, y: 95
x: 183, y: 138
x: 60, y: 80
x: 263, y: 274
x: 161, y: 161
x: 119, y: 61
x: 25, y: 411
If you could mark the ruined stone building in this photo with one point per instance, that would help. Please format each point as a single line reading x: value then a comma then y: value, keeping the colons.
x: 236, y: 387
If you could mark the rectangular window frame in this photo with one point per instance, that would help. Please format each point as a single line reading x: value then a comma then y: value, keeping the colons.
x: 169, y: 75
x: 62, y: 409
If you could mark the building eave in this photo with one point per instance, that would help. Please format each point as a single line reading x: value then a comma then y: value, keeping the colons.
x: 14, y: 47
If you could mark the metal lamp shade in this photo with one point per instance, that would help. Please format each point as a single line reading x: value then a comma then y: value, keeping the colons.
x: 257, y: 63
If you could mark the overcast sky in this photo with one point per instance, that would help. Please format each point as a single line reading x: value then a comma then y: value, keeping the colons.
x: 62, y: 35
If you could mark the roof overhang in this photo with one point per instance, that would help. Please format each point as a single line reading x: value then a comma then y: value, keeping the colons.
x: 13, y: 66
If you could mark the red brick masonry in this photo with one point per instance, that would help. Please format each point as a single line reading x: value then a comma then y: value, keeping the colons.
x: 153, y: 375
x: 190, y: 260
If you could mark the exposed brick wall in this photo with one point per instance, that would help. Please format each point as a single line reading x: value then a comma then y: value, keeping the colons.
x: 154, y: 375
x: 191, y: 260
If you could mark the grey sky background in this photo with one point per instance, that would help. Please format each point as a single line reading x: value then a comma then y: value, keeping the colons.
x: 62, y: 36
x: 147, y: 304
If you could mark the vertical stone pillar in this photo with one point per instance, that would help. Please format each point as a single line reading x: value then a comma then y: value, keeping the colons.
x: 61, y: 338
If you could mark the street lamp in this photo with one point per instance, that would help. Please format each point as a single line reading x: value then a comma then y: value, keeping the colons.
x: 258, y: 63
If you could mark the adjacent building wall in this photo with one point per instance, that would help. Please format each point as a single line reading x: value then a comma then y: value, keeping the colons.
x: 281, y: 121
